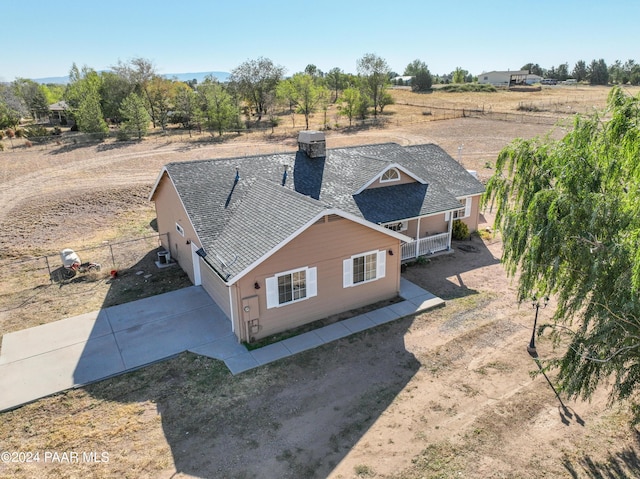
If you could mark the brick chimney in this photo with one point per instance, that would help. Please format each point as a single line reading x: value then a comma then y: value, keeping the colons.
x: 313, y: 143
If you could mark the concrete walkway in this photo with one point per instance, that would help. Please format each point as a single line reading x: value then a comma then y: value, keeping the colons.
x: 72, y: 352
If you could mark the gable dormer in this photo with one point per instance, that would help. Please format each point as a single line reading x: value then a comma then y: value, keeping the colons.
x: 392, y: 174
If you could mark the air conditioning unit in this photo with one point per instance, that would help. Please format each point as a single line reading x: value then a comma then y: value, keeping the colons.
x: 164, y: 257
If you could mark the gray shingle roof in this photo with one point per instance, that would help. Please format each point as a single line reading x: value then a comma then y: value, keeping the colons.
x: 239, y: 221
x: 265, y: 217
x: 437, y: 164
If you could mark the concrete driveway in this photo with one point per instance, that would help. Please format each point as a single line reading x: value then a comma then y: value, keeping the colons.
x: 39, y: 361
x: 72, y: 352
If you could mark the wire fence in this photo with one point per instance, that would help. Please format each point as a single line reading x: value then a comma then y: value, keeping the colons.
x: 43, y: 270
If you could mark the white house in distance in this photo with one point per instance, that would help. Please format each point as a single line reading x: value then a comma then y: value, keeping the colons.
x: 508, y: 78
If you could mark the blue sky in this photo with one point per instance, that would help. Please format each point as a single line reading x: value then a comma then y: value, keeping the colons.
x: 43, y: 38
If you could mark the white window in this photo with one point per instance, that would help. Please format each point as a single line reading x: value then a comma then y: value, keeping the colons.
x: 180, y: 229
x: 291, y: 287
x: 363, y: 268
x: 391, y: 174
x: 464, y: 212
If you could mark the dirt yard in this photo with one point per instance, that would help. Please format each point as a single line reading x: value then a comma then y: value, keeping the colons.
x: 445, y: 394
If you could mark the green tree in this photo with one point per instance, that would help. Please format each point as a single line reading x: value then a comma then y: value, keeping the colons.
x: 415, y: 67
x: 314, y: 71
x: 139, y: 73
x: 161, y: 94
x: 307, y: 95
x: 351, y: 103
x: 114, y: 89
x: 422, y: 79
x: 459, y: 75
x: 218, y: 108
x: 186, y: 111
x: 562, y: 71
x: 580, y: 71
x: 287, y: 94
x: 374, y: 72
x: 336, y: 79
x: 33, y: 95
x: 83, y: 95
x: 135, y: 116
x: 568, y: 213
x: 256, y: 81
x: 598, y: 73
x: 534, y: 69
x: 632, y: 72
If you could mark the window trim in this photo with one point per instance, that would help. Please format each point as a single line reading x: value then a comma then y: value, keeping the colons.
x: 347, y: 268
x: 273, y: 289
x: 390, y: 180
x: 463, y: 212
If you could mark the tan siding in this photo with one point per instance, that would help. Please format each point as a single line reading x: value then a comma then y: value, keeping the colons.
x: 323, y: 246
x: 472, y: 221
x: 217, y: 289
x: 169, y: 211
x: 432, y: 225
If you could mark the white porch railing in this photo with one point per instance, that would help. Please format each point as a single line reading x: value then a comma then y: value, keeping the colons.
x: 425, y: 246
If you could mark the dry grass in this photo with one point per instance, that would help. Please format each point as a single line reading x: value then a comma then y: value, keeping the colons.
x: 445, y: 394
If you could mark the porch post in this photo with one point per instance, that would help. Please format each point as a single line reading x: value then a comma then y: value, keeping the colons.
x: 450, y: 230
x: 418, y: 237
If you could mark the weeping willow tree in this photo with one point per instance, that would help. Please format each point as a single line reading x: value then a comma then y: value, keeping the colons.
x: 569, y: 214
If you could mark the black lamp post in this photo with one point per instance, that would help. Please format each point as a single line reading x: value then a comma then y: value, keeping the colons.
x: 536, y: 305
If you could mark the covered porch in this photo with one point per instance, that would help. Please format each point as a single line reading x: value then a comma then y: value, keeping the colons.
x: 426, y: 246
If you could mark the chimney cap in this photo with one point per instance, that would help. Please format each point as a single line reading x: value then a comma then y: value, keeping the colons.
x: 310, y: 136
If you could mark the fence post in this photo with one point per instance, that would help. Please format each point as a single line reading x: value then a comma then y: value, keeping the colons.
x: 113, y: 260
x: 46, y: 260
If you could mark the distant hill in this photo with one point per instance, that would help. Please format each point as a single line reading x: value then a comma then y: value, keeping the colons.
x: 199, y: 76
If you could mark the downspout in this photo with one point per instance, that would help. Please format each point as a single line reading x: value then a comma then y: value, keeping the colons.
x: 233, y: 324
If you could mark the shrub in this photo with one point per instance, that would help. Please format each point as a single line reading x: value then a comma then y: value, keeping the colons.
x: 460, y: 230
x: 1, y: 134
x: 20, y: 133
x: 1, y: 147
x: 123, y: 135
x: 10, y: 133
x: 468, y: 87
x: 36, y: 131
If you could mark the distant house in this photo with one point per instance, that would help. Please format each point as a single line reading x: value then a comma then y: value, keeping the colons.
x: 58, y: 113
x: 532, y: 79
x: 501, y: 78
x: 402, y: 80
x: 285, y: 239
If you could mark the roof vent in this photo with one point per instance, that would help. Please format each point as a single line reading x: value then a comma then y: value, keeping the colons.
x: 313, y: 143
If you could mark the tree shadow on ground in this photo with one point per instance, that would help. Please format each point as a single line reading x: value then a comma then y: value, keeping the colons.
x: 115, y: 145
x: 624, y: 464
x: 442, y: 274
x: 295, y: 418
x: 74, y: 145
